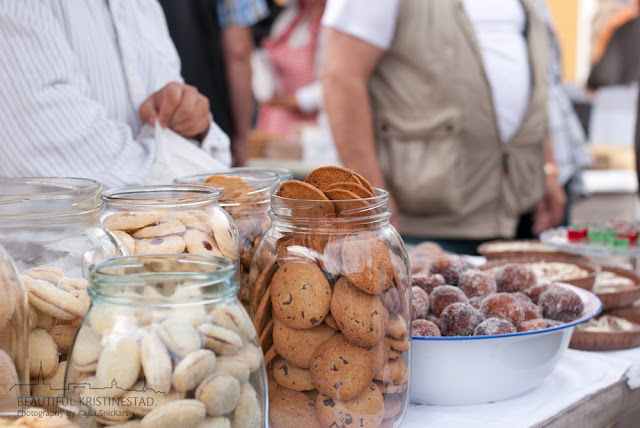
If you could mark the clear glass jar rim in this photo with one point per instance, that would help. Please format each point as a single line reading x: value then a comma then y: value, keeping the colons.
x: 195, y: 195
x: 105, y: 283
x: 82, y: 195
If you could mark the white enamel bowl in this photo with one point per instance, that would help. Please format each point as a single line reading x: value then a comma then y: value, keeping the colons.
x: 482, y: 369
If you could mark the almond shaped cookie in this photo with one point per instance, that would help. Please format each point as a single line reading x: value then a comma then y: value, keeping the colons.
x: 366, y: 410
x: 164, y: 227
x: 171, y: 244
x: 341, y: 370
x: 298, y: 346
x: 361, y: 317
x: 128, y: 221
x: 198, y: 242
x: 300, y: 295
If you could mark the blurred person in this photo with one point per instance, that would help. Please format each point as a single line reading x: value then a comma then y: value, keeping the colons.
x: 602, y: 35
x: 445, y: 104
x: 567, y: 135
x: 638, y: 144
x: 620, y: 63
x: 293, y: 53
x: 77, y: 82
x: 214, y: 41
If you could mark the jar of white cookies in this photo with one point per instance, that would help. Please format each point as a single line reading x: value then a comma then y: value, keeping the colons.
x: 330, y: 300
x: 167, y: 343
x: 246, y: 197
x: 14, y: 312
x: 171, y: 219
x: 51, y: 228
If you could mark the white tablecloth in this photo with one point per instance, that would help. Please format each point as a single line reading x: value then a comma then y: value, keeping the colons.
x: 579, y: 374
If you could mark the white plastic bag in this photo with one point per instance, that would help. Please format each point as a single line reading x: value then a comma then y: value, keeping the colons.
x: 178, y: 157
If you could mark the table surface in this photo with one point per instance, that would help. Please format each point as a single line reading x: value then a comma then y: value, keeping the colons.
x: 587, y: 389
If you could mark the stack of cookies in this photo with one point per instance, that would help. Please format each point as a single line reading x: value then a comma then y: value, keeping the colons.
x: 12, y: 318
x: 209, y: 232
x: 246, y: 197
x: 330, y: 303
x: 169, y: 365
x: 57, y: 306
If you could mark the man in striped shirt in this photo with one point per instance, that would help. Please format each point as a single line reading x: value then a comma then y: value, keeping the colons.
x: 78, y: 80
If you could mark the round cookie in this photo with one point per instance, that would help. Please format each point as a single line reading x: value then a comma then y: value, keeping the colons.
x: 128, y: 221
x: 514, y: 277
x: 348, y: 203
x: 323, y: 177
x: 290, y: 376
x: 450, y: 266
x: 300, y: 294
x: 419, y: 303
x: 340, y: 369
x: 298, y: 346
x: 366, y: 263
x: 291, y: 408
x: 163, y: 227
x: 366, y: 410
x: 561, y: 304
x: 160, y: 245
x: 294, y: 189
x: 358, y: 189
x: 198, y: 242
x: 362, y: 317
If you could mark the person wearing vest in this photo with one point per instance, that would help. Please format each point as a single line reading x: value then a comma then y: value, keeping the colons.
x: 451, y: 115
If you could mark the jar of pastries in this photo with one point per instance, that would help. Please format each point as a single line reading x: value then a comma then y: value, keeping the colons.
x: 14, y: 312
x: 167, y: 343
x: 330, y: 300
x: 246, y: 197
x: 51, y: 228
x: 171, y: 219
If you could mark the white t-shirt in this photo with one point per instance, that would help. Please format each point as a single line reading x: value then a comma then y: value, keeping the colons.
x: 500, y: 30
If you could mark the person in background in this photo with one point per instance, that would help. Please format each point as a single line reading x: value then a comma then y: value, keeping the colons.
x: 451, y: 113
x: 293, y: 52
x: 567, y: 135
x: 214, y: 41
x: 77, y: 82
x: 602, y: 33
x: 638, y: 144
x: 620, y: 63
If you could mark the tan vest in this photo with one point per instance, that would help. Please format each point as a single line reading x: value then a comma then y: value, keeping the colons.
x: 436, y: 129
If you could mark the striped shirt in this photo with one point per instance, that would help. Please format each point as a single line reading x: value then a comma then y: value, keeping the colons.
x: 72, y: 77
x: 241, y: 12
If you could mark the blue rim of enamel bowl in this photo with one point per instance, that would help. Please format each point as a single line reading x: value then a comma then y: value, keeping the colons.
x: 588, y: 298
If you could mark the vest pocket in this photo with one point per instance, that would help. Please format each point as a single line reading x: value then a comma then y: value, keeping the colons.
x: 422, y: 162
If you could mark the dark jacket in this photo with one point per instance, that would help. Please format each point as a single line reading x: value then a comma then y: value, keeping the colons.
x: 620, y: 63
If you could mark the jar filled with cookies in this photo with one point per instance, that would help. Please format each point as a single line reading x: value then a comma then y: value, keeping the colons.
x: 330, y: 300
x: 167, y: 343
x: 246, y: 197
x: 51, y: 228
x: 171, y: 219
x: 14, y: 311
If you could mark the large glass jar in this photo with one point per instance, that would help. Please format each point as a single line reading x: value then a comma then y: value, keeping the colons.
x: 51, y: 228
x: 330, y: 300
x: 14, y: 369
x: 246, y: 197
x: 171, y: 219
x: 167, y: 342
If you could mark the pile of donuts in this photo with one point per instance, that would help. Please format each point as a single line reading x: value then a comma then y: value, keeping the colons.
x: 449, y: 298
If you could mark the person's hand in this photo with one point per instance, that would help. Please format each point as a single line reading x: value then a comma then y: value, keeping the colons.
x: 550, y: 211
x: 284, y: 101
x: 179, y: 107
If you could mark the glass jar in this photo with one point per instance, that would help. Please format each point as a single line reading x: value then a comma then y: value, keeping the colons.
x: 51, y: 228
x: 166, y: 338
x: 171, y: 219
x: 14, y: 310
x: 330, y: 300
x: 246, y: 197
